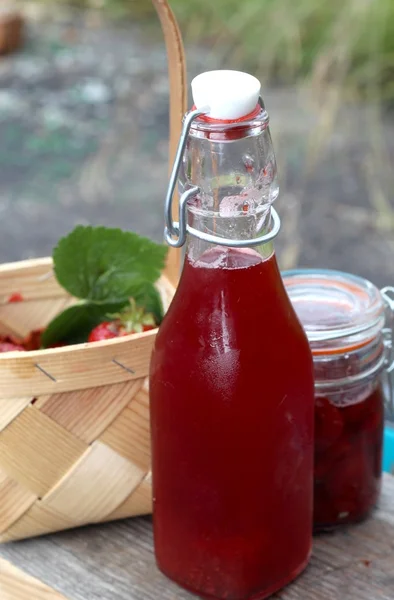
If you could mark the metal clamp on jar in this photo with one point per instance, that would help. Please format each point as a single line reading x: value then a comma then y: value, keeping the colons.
x: 348, y: 322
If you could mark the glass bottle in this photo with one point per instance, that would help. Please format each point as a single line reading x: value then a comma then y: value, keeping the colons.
x: 348, y: 323
x: 231, y: 382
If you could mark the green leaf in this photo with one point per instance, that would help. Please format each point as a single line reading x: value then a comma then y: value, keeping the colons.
x: 149, y: 298
x: 74, y: 324
x: 106, y: 265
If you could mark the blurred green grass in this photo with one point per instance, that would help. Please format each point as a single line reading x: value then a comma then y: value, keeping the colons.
x: 348, y: 42
x: 331, y: 54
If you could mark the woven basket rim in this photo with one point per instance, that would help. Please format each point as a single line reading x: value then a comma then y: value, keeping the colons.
x: 74, y: 367
x: 26, y: 264
x: 77, y: 367
x: 35, y: 354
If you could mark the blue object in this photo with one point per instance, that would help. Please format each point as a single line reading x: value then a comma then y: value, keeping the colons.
x: 388, y: 449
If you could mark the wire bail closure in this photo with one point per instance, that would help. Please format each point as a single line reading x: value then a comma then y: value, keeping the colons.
x: 175, y: 231
x: 388, y: 335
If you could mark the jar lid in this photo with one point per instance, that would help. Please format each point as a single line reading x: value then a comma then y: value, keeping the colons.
x: 339, y: 311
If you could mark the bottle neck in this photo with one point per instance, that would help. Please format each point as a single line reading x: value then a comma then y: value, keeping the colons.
x: 234, y: 167
x: 241, y: 227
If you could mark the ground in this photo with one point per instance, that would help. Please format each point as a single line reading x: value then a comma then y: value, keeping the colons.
x: 83, y: 130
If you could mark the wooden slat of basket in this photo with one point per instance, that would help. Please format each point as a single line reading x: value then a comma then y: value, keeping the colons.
x: 17, y: 585
x: 57, y: 370
x: 35, y: 312
x: 15, y: 500
x: 36, y: 452
x: 6, y: 330
x: 31, y: 278
x: 38, y: 520
x: 138, y: 503
x: 166, y: 290
x: 88, y: 413
x: 100, y: 480
x: 99, y: 488
x: 129, y: 434
x: 95, y: 487
x: 10, y: 408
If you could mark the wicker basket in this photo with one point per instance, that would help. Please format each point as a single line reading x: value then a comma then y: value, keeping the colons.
x: 74, y: 421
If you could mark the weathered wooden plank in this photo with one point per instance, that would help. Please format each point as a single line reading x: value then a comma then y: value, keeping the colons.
x: 116, y: 562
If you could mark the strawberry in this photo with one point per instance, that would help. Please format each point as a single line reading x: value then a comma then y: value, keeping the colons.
x: 328, y: 423
x: 33, y: 340
x: 9, y: 343
x: 367, y: 414
x: 16, y: 297
x: 133, y: 320
x: 10, y: 347
x: 104, y: 331
x: 327, y: 460
x: 352, y: 485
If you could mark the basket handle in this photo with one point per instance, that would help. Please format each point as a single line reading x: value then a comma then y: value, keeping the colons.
x: 178, y: 104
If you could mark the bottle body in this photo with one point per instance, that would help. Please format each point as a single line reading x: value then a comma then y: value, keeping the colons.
x: 231, y: 390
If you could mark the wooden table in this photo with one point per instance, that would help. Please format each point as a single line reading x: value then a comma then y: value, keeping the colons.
x: 116, y: 562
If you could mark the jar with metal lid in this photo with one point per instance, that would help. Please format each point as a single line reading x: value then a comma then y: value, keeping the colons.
x: 348, y: 322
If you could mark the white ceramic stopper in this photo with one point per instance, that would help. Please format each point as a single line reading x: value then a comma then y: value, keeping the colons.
x: 229, y: 94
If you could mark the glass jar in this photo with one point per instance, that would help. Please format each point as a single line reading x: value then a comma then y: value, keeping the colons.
x: 345, y: 319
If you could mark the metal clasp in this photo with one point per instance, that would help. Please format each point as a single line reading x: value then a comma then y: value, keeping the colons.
x: 175, y: 231
x: 388, y: 335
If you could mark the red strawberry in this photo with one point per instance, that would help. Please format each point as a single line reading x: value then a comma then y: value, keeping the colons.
x: 104, y: 331
x: 16, y: 297
x: 327, y: 460
x: 367, y: 414
x: 328, y: 423
x: 133, y: 320
x: 352, y: 485
x: 33, y: 340
x: 10, y: 347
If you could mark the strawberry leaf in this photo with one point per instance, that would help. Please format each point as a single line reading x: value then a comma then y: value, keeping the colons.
x: 106, y: 265
x: 148, y: 298
x: 74, y: 324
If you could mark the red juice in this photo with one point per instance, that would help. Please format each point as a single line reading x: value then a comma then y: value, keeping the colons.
x: 231, y: 392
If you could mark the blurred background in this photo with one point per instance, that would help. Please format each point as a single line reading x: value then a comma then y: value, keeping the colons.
x: 83, y: 119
